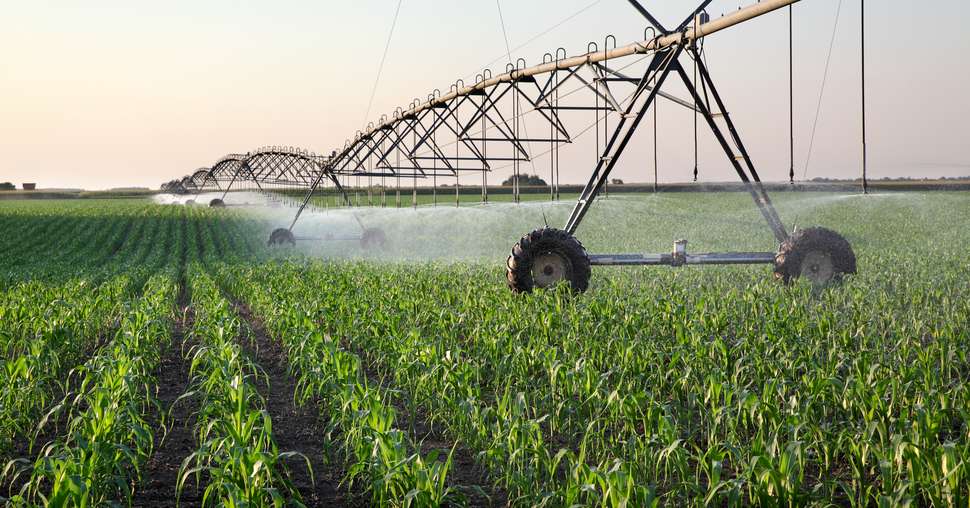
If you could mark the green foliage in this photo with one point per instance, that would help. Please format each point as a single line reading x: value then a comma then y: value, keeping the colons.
x: 108, y: 436
x: 525, y: 179
x: 44, y: 332
x: 383, y: 459
x: 713, y: 386
x: 237, y: 455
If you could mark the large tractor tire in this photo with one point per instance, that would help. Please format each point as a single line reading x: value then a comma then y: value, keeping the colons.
x: 281, y: 236
x: 819, y: 255
x: 545, y: 258
x: 217, y: 203
x: 373, y: 238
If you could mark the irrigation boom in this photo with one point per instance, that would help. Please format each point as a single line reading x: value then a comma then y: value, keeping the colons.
x: 659, y: 43
x: 474, y: 129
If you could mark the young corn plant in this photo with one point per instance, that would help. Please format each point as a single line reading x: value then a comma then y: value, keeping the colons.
x: 111, y: 428
x: 50, y: 330
x: 681, y: 395
x: 672, y: 387
x: 383, y: 460
x: 509, y: 435
x: 237, y: 457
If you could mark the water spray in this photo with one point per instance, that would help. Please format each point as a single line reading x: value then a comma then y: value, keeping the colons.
x: 469, y: 130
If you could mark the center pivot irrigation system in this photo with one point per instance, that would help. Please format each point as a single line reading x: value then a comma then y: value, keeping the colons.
x: 276, y: 172
x: 476, y: 128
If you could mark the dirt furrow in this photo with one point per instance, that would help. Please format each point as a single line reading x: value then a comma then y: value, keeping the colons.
x: 295, y: 428
x: 176, y: 440
x: 466, y: 474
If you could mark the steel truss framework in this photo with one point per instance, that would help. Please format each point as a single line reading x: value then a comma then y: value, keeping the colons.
x: 475, y: 129
x: 267, y: 168
x: 478, y: 128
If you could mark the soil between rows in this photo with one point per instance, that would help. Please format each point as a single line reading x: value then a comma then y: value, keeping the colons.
x: 176, y: 440
x: 295, y: 428
x: 466, y: 474
x: 270, y: 356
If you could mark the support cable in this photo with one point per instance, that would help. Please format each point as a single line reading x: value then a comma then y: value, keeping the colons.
x: 508, y: 50
x: 380, y: 69
x: 791, y: 99
x: 655, y: 164
x: 505, y: 35
x: 699, y: 45
x: 537, y: 36
x: 821, y: 94
x: 695, y: 124
x: 596, y: 115
x: 862, y: 31
x: 606, y: 90
x: 553, y: 137
x: 515, y: 102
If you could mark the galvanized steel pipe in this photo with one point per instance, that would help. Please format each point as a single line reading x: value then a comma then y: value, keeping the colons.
x: 689, y: 34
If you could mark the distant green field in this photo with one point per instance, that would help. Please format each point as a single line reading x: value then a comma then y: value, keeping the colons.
x: 423, y: 378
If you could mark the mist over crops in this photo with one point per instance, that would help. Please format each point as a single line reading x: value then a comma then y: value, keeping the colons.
x: 640, y: 223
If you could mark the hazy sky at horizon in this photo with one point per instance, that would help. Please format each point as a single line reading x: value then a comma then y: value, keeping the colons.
x: 106, y: 93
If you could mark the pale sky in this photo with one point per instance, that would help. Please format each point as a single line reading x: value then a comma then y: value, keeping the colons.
x: 101, y: 94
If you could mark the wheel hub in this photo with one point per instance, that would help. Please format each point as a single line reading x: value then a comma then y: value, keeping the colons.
x: 818, y: 267
x: 549, y: 269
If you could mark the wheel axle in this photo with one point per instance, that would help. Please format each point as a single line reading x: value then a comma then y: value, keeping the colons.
x: 547, y: 257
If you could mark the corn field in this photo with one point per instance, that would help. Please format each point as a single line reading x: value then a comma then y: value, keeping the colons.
x: 159, y: 355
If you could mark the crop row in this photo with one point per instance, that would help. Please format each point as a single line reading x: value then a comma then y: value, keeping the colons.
x: 681, y: 398
x: 73, y: 249
x: 111, y: 413
x: 383, y: 459
x: 100, y: 239
x: 46, y: 331
x: 237, y: 456
x: 506, y: 435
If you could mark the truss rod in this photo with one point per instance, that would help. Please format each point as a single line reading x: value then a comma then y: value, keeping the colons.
x: 687, y: 36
